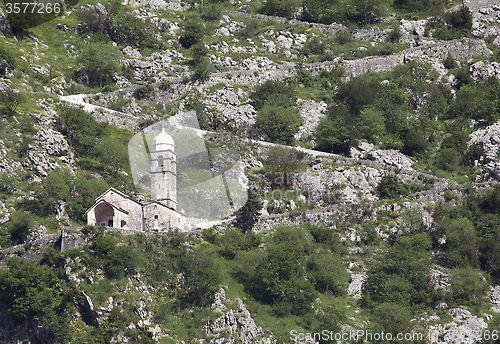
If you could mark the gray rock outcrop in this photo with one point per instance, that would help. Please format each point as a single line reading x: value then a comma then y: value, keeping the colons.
x: 464, y: 329
x: 357, y: 284
x: 233, y: 324
x: 311, y: 112
x: 348, y: 185
x: 52, y: 141
x: 438, y: 279
x: 489, y: 139
x: 495, y: 299
x: 483, y: 70
x: 390, y: 157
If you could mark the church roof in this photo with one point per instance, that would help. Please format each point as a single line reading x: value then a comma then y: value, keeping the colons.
x: 112, y: 189
x: 163, y: 139
x: 111, y: 204
x: 148, y: 204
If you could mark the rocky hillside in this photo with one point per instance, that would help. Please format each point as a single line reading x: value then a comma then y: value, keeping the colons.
x: 366, y: 135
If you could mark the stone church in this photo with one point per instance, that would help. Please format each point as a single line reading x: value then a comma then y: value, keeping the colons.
x: 116, y: 209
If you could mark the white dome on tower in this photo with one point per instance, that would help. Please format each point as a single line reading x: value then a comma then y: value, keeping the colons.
x: 163, y: 139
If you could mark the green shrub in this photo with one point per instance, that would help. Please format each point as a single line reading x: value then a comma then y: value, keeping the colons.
x: 129, y: 30
x: 121, y: 261
x: 414, y: 142
x: 143, y: 92
x: 395, y: 34
x: 10, y: 99
x: 281, y: 8
x: 192, y: 34
x: 202, y: 70
x: 211, y: 13
x: 279, y: 124
x: 21, y: 226
x: 202, y: 271
x: 343, y: 37
x: 101, y: 62
x: 7, y: 60
x: 461, y: 243
x: 460, y: 20
x: 449, y: 62
x: 27, y: 289
x: 391, y: 318
x: 337, y: 132
x: 401, y: 276
x: 391, y: 187
x: 275, y: 94
x: 233, y: 241
x: 469, y: 286
x: 327, y: 273
x: 372, y: 124
x: 102, y: 244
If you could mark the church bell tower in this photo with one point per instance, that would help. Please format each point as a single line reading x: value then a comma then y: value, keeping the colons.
x: 164, y: 170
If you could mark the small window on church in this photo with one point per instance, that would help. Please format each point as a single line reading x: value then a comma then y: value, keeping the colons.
x: 160, y: 160
x: 156, y: 217
x: 123, y: 223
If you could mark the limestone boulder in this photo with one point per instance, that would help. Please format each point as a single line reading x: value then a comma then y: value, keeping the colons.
x: 358, y: 282
x: 131, y: 52
x: 52, y: 141
x: 489, y: 139
x: 390, y: 157
x: 483, y: 70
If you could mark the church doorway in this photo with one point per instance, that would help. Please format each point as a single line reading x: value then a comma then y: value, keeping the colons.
x: 104, y: 214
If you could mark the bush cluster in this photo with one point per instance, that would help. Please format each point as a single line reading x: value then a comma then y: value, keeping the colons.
x: 277, y: 115
x: 293, y: 269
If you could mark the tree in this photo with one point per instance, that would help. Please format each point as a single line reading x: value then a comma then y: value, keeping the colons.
x: 281, y: 8
x: 372, y: 124
x: 461, y: 243
x: 202, y: 271
x: 274, y: 94
x: 193, y: 33
x: 54, y: 188
x: 27, y: 289
x: 280, y: 276
x: 337, y: 132
x: 10, y: 99
x: 460, y: 20
x: 247, y: 215
x: 279, y: 124
x: 401, y: 275
x: 390, y: 187
x: 20, y: 227
x: 327, y: 273
x: 281, y: 164
x: 81, y: 129
x: 7, y: 60
x: 101, y: 62
x: 468, y: 285
x: 121, y: 261
x: 128, y: 30
x: 391, y: 318
x: 414, y: 142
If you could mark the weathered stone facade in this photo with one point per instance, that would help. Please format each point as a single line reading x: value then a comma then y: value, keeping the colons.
x: 116, y: 209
